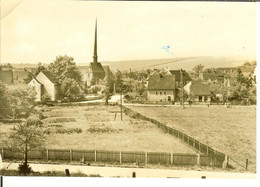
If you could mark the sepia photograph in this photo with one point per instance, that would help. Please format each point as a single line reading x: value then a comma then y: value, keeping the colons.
x: 128, y: 89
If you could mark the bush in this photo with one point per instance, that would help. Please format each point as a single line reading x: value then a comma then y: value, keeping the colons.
x: 101, y: 130
x: 24, y: 169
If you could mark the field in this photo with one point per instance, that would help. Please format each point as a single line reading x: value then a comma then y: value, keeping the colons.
x: 94, y: 128
x: 228, y: 130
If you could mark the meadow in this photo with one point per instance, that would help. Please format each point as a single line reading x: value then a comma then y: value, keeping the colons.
x: 229, y: 130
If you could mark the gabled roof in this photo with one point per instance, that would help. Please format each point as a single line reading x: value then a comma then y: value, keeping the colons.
x: 6, y: 76
x: 177, y: 74
x: 200, y: 89
x: 36, y: 80
x: 50, y: 76
x: 97, y: 70
x: 159, y: 81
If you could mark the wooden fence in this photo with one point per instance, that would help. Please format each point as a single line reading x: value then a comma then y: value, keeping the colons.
x: 220, y: 159
x: 119, y: 157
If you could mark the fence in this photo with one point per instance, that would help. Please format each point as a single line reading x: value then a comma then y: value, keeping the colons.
x: 217, y: 157
x: 120, y: 157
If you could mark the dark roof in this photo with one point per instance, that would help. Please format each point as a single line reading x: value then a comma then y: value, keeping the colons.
x: 50, y: 76
x: 200, y: 89
x: 160, y: 81
x: 227, y: 68
x: 177, y: 74
x: 7, y: 76
x: 97, y: 70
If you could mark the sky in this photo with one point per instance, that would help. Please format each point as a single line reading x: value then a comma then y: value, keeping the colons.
x: 35, y: 31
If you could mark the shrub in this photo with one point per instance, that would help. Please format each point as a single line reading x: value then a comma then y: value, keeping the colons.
x: 101, y: 130
x: 24, y: 169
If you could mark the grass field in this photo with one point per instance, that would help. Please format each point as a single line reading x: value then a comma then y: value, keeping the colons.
x: 228, y: 130
x: 99, y: 131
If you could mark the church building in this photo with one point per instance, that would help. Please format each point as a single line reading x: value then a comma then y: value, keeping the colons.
x: 95, y: 71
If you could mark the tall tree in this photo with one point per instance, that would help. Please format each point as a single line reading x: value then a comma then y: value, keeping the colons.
x: 65, y: 67
x: 65, y: 70
x: 27, y: 136
x: 20, y: 100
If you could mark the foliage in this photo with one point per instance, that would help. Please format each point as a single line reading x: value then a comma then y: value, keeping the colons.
x: 16, y: 100
x: 102, y: 130
x: 198, y: 68
x: 4, y: 107
x: 27, y: 136
x: 70, y: 90
x: 24, y: 169
x: 65, y: 67
x: 118, y: 82
x: 65, y: 70
x: 31, y: 75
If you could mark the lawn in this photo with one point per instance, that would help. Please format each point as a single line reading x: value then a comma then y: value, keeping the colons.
x: 228, y: 130
x: 94, y: 128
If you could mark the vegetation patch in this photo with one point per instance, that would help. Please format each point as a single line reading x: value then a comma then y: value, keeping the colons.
x: 103, y: 130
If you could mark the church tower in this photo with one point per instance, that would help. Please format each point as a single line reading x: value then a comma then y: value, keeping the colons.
x: 96, y: 70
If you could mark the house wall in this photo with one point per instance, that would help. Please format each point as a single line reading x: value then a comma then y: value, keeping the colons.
x: 205, y: 99
x: 48, y: 85
x: 38, y: 89
x: 161, y: 96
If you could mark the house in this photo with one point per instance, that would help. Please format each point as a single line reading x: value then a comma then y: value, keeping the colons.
x: 198, y: 92
x: 6, y: 76
x: 45, y: 84
x: 95, y: 71
x: 161, y: 88
x: 185, y: 77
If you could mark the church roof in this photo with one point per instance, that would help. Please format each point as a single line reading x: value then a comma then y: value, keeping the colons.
x: 97, y: 70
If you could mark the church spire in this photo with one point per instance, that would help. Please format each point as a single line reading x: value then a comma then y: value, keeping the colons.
x: 95, y: 57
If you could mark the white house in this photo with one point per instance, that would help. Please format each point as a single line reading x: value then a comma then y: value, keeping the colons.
x: 45, y: 83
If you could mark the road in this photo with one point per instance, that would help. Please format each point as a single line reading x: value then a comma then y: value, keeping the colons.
x: 128, y: 172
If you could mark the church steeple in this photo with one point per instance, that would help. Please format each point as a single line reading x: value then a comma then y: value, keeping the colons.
x: 95, y: 57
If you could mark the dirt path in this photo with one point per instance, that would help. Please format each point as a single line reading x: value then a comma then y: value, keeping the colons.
x: 140, y: 172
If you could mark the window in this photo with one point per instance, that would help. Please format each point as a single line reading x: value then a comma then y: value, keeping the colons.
x: 164, y: 93
x: 156, y: 93
x: 160, y: 93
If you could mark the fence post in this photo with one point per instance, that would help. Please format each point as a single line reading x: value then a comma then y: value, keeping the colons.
x: 70, y: 155
x: 95, y: 156
x: 199, y: 146
x: 47, y: 154
x: 246, y: 163
x: 171, y: 158
x: 188, y: 140
x: 2, y: 153
x: 207, y: 150
x: 198, y: 160
x: 224, y: 165
x: 120, y: 157
x: 146, y: 158
x: 193, y: 142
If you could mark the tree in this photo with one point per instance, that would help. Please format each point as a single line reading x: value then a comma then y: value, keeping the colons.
x: 4, y: 107
x: 65, y: 70
x: 118, y: 82
x: 27, y: 136
x: 65, y: 67
x: 31, y: 75
x: 20, y: 100
x: 107, y: 93
x: 198, y: 68
x: 70, y: 90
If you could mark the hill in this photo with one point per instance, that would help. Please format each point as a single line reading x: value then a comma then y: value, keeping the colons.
x: 186, y: 63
